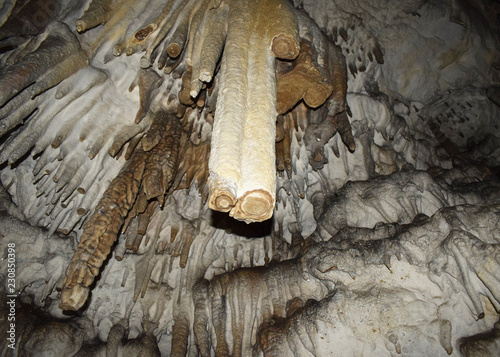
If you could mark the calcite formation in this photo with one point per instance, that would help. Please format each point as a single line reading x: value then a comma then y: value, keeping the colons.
x: 172, y: 172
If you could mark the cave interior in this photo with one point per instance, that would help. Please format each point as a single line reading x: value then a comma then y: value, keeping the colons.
x: 250, y: 178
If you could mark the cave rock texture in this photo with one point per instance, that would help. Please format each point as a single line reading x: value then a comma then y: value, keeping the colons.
x: 250, y: 177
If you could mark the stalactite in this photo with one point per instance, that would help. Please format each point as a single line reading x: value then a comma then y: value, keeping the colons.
x: 252, y: 194
x: 178, y: 40
x: 116, y: 28
x: 318, y: 135
x: 100, y: 233
x: 148, y: 82
x: 32, y: 18
x: 285, y: 31
x: 193, y: 167
x: 126, y: 134
x: 15, y: 111
x: 230, y: 299
x: 198, y: 28
x: 225, y: 294
x: 241, y: 60
x: 66, y: 68
x: 98, y: 13
x: 59, y: 44
x: 304, y: 81
x: 162, y: 161
x: 143, y: 34
x: 157, y: 129
x: 287, y: 132
x: 213, y: 43
x: 21, y: 51
x: 166, y: 25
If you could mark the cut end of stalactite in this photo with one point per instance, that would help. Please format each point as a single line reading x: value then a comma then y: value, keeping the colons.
x: 145, y: 62
x: 174, y: 50
x: 81, y: 26
x: 285, y: 47
x: 222, y: 195
x: 73, y: 298
x: 254, y: 206
x: 221, y: 200
x: 143, y: 33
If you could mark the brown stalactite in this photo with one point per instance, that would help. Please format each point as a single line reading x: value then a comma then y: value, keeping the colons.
x: 213, y: 44
x: 100, y: 232
x: 279, y: 128
x: 201, y: 317
x: 335, y: 68
x: 317, y: 135
x: 325, y: 67
x: 344, y: 129
x: 132, y: 232
x: 193, y: 164
x: 176, y: 43
x: 162, y: 161
x: 157, y: 129
x: 304, y: 81
x: 280, y: 157
x: 98, y: 13
x: 148, y: 82
x: 143, y: 222
x: 287, y: 137
x: 166, y: 26
x: 184, y: 95
x: 284, y: 30
x: 197, y: 35
x: 180, y: 333
x: 123, y: 136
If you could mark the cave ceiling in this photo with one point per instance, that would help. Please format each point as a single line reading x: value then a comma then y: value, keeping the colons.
x: 250, y: 178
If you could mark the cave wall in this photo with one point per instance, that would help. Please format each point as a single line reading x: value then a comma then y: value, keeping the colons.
x: 384, y: 237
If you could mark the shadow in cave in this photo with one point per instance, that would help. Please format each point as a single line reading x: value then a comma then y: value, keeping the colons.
x: 222, y: 220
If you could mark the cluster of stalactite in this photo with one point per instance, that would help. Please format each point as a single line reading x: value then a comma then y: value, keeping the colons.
x: 211, y: 76
x: 276, y: 311
x: 275, y: 80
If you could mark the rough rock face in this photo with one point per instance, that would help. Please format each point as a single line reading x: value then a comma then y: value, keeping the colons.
x: 132, y: 134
